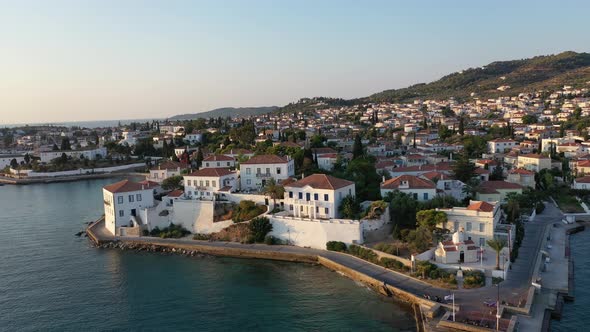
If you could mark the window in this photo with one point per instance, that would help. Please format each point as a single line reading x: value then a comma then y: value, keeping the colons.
x: 208, y: 193
x: 188, y: 183
x: 121, y: 213
x: 455, y: 226
x: 213, y: 183
x: 267, y: 170
x: 202, y: 193
x: 350, y: 192
x: 138, y: 197
x: 248, y: 181
x: 415, y: 196
x: 248, y: 170
x: 195, y: 192
x: 326, y: 197
x: 218, y: 164
x: 278, y: 170
x: 290, y: 194
x: 317, y: 209
x: 425, y: 196
x: 130, y: 198
x: 201, y: 183
x: 482, y: 227
x: 307, y: 196
x: 257, y: 170
x: 327, y: 211
x: 228, y: 164
x: 468, y: 226
x: 300, y: 195
x: 207, y: 183
x: 120, y: 199
x: 315, y: 197
x: 291, y: 207
x: 482, y: 241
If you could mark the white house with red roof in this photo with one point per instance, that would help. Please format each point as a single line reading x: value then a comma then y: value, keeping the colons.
x: 522, y: 177
x: 165, y: 170
x: 582, y: 183
x: 255, y: 171
x: 206, y: 183
x: 501, y: 145
x: 446, y: 184
x: 534, y: 162
x: 317, y: 196
x: 496, y: 191
x: 456, y: 250
x: 123, y: 201
x: 420, y: 188
x: 218, y: 161
x: 478, y: 221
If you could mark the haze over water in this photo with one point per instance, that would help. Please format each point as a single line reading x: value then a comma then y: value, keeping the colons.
x: 51, y: 280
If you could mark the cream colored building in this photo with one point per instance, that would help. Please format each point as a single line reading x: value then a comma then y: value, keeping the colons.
x: 317, y: 196
x: 534, y: 162
x: 478, y: 221
x: 457, y: 250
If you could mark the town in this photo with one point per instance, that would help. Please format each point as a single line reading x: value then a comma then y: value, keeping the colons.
x: 438, y: 190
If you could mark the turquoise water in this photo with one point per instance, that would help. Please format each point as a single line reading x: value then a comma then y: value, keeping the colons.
x: 575, y: 315
x: 51, y: 280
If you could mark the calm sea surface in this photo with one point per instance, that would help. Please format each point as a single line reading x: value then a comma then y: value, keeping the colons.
x: 575, y: 315
x: 51, y: 280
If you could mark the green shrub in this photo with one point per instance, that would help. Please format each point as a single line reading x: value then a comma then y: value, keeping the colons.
x: 247, y: 210
x: 259, y: 227
x: 391, y: 263
x: 271, y: 240
x: 388, y: 248
x: 473, y: 279
x: 363, y: 253
x: 172, y: 231
x: 201, y: 236
x: 336, y: 246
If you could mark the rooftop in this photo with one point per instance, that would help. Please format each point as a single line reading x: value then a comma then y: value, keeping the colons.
x: 321, y: 181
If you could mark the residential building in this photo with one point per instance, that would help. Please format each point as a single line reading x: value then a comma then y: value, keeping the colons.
x: 421, y: 189
x: 165, y: 170
x: 217, y: 161
x: 257, y: 170
x: 534, y: 162
x: 456, y: 250
x: 90, y: 154
x: 317, y: 196
x: 582, y: 183
x: 477, y: 221
x: 501, y: 145
x: 522, y: 177
x: 206, y: 183
x: 122, y: 202
x: 496, y: 191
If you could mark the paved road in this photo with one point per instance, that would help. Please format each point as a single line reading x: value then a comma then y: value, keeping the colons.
x: 516, y: 285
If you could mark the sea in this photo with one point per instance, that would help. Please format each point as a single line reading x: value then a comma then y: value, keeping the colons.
x: 575, y: 314
x: 81, y: 124
x: 52, y: 280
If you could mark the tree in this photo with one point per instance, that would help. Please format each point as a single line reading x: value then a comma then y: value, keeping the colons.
x: 463, y: 169
x: 259, y: 227
x: 363, y: 173
x: 461, y: 125
x: 357, y: 147
x: 431, y: 218
x: 497, y: 174
x: 349, y: 207
x: 173, y: 182
x: 274, y: 191
x: 419, y: 239
x: 13, y: 163
x: 27, y: 158
x: 55, y: 147
x: 402, y: 209
x: 497, y: 245
x: 199, y: 158
x: 65, y: 144
x: 529, y: 119
x: 512, y: 206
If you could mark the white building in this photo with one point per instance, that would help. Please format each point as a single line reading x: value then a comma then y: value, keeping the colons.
x: 317, y: 196
x: 533, y: 162
x: 421, y: 189
x: 6, y: 159
x: 194, y: 137
x: 165, y: 170
x: 122, y: 202
x: 257, y: 170
x: 216, y: 161
x: 478, y: 220
x: 90, y: 154
x: 501, y: 145
x: 206, y: 183
x: 457, y: 250
x: 582, y: 183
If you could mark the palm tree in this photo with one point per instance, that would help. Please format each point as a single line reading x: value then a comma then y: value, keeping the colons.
x: 274, y: 191
x: 512, y: 206
x: 497, y: 245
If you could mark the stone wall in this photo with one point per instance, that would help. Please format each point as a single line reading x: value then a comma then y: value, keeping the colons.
x: 315, y: 233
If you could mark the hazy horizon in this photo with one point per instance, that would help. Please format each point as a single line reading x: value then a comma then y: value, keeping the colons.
x: 70, y: 61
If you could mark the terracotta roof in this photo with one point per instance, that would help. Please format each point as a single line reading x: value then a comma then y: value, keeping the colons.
x: 414, y: 182
x: 169, y: 164
x: 211, y: 172
x: 266, y: 159
x: 534, y: 156
x: 480, y: 170
x: 218, y: 157
x: 584, y: 179
x: 584, y: 163
x: 175, y: 193
x: 126, y: 186
x: 321, y: 181
x: 435, y: 175
x: 491, y: 187
x: 238, y: 152
x: 522, y: 171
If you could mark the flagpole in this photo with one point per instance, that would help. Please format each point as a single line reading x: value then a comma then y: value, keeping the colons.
x: 453, y: 307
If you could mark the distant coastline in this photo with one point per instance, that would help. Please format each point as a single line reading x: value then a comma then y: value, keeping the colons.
x: 81, y: 124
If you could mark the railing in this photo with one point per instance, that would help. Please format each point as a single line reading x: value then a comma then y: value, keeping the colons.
x: 263, y: 175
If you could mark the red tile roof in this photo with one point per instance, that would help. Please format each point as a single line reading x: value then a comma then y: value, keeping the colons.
x: 266, y: 159
x: 320, y: 151
x: 211, y: 172
x: 522, y: 171
x: 171, y: 165
x: 534, y: 155
x: 414, y: 182
x: 321, y: 181
x: 584, y: 179
x: 126, y: 186
x: 175, y: 193
x: 218, y: 157
x: 491, y: 187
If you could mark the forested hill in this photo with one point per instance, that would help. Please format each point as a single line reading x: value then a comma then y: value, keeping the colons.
x: 227, y: 111
x: 527, y: 75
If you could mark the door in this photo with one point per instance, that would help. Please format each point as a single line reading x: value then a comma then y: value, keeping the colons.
x: 134, y: 212
x: 462, y: 257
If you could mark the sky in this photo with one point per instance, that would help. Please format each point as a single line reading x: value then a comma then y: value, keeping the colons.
x: 123, y: 59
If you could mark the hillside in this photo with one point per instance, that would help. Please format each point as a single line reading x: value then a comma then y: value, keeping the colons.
x: 225, y: 112
x: 541, y: 72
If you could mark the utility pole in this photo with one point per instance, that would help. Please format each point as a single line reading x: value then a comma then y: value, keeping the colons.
x: 498, y: 309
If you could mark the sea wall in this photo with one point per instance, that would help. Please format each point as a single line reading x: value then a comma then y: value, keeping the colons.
x: 314, y: 233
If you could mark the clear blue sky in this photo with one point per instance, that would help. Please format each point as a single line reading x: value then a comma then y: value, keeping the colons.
x: 87, y: 60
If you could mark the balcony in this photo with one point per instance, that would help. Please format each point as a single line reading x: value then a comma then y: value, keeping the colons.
x: 263, y: 175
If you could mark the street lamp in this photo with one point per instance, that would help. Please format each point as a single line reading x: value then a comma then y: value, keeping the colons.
x: 503, y: 266
x: 498, y: 308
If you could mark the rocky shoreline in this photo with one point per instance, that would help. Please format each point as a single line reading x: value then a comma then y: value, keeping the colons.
x: 152, y: 248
